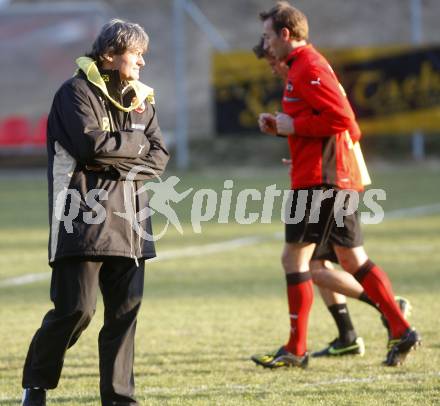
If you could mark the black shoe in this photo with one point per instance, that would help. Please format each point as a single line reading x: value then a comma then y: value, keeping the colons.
x: 281, y: 358
x: 405, y: 307
x: 34, y: 397
x: 401, y: 347
x: 337, y: 348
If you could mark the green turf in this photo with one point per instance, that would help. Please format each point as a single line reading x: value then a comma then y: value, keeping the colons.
x: 203, y: 316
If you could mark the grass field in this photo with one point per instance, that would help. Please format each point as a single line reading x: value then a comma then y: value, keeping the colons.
x: 204, y: 315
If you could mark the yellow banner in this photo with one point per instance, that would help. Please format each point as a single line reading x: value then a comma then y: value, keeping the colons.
x: 393, y: 90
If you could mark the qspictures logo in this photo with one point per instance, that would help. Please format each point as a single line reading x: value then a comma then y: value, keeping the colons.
x: 228, y: 205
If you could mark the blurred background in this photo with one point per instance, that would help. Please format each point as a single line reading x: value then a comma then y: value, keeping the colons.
x: 210, y: 87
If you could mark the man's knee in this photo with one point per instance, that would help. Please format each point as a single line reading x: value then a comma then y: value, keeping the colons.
x: 296, y: 257
x: 127, y: 311
x: 289, y: 261
x: 286, y: 259
x: 347, y: 263
x: 351, y: 259
x: 83, y: 316
x: 319, y: 269
x: 318, y: 275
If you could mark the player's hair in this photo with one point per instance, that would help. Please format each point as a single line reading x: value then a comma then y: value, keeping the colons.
x: 118, y: 36
x: 259, y: 50
x: 284, y: 15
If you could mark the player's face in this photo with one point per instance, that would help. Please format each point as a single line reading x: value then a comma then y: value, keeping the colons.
x: 129, y: 64
x: 272, y: 61
x: 279, y: 68
x: 273, y: 42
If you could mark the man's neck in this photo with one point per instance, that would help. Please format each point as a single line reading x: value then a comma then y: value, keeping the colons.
x: 294, y: 44
x: 109, y: 67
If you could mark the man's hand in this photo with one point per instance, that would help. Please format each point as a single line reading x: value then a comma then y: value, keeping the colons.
x: 284, y: 124
x: 267, y: 123
x: 286, y: 162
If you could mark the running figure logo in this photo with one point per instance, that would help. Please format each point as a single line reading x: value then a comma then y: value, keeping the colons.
x: 164, y: 192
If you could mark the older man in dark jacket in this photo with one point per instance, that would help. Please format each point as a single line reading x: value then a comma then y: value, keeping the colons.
x: 103, y: 140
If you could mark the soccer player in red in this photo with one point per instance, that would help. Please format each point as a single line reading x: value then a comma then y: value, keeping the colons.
x: 333, y: 285
x: 321, y: 129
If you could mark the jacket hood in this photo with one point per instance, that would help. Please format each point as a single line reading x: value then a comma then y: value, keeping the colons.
x: 143, y: 92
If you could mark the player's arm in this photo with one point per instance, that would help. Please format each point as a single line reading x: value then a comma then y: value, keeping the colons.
x: 332, y: 112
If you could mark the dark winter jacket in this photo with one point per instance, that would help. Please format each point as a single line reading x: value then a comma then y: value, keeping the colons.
x: 98, y: 130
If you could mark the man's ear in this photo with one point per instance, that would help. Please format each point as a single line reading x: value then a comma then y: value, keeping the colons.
x: 107, y: 58
x: 285, y: 34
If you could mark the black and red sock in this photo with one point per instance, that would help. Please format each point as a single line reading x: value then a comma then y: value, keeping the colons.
x: 378, y: 288
x: 300, y: 298
x: 364, y: 298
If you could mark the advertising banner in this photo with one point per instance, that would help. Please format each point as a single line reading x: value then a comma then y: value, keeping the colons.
x: 393, y: 90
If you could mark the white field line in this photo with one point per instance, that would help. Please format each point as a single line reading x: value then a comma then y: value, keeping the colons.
x: 298, y: 386
x: 201, y: 250
x: 191, y: 251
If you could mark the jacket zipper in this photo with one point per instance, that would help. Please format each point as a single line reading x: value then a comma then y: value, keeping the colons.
x: 131, y: 221
x: 110, y: 116
x: 132, y: 218
x: 135, y: 219
x: 139, y: 234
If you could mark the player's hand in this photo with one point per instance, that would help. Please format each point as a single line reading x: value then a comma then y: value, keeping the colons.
x: 286, y: 162
x: 267, y: 123
x: 284, y: 124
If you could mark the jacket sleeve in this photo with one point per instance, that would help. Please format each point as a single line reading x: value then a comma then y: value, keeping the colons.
x: 82, y: 133
x: 326, y: 97
x: 154, y: 163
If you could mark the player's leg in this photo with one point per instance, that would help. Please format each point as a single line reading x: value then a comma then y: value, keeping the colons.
x: 328, y: 277
x: 122, y: 285
x: 375, y: 282
x: 297, y: 253
x: 296, y: 260
x: 378, y: 287
x: 73, y: 291
x: 347, y: 342
x: 337, y: 281
x: 345, y: 284
x: 348, y: 244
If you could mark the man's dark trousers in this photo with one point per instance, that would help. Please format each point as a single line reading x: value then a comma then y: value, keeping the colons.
x: 73, y: 291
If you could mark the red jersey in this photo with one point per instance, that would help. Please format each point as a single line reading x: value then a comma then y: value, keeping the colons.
x: 325, y: 126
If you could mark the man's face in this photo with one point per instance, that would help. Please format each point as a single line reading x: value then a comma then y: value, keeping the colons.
x: 129, y: 64
x: 273, y: 43
x: 278, y: 67
x: 273, y: 62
